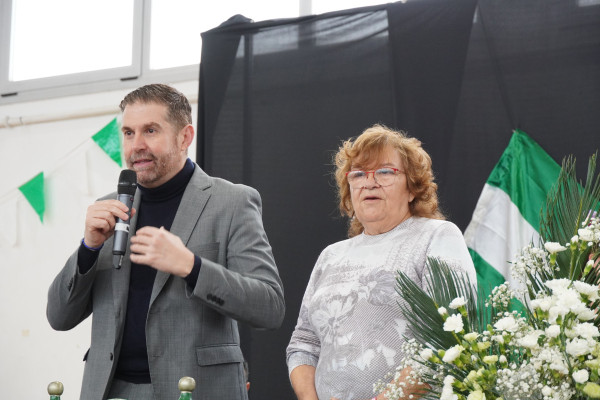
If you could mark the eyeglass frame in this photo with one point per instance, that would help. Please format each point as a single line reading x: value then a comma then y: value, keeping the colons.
x: 396, y: 173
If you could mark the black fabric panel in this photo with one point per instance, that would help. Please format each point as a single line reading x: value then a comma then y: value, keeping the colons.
x: 294, y: 90
x: 532, y: 65
x: 429, y: 45
x: 273, y: 115
x: 217, y: 67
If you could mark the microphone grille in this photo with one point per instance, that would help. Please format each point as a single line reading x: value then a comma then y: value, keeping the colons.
x: 127, y: 182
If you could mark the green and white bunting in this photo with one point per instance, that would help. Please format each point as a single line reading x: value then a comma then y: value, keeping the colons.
x: 33, y: 190
x: 507, y: 214
x: 108, y: 139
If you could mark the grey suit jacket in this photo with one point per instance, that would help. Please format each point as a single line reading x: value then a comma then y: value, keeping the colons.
x: 188, y: 333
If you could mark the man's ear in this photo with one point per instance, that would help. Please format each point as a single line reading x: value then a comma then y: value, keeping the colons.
x: 188, y: 136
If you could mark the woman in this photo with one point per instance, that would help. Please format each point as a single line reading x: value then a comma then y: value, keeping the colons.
x: 350, y: 328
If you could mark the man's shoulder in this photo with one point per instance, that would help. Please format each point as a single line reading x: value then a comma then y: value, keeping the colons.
x: 223, y: 186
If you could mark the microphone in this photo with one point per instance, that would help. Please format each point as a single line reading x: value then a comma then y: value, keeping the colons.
x: 125, y: 192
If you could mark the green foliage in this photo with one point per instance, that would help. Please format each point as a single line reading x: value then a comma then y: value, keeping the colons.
x: 566, y: 214
x: 569, y: 203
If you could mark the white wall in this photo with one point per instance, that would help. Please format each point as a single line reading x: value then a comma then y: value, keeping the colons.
x: 76, y: 172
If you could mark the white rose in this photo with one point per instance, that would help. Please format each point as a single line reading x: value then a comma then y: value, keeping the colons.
x: 586, y: 314
x: 585, y: 234
x: 454, y: 323
x: 581, y: 376
x: 471, y: 336
x: 558, y: 285
x: 578, y: 347
x: 476, y: 395
x: 490, y: 359
x: 498, y: 339
x: 457, y: 302
x: 543, y: 303
x: 530, y: 340
x: 587, y: 330
x: 448, y: 394
x: 508, y: 324
x: 556, y: 311
x: 570, y: 333
x: 559, y: 366
x: 447, y: 391
x: 426, y: 354
x: 570, y: 299
x: 546, y: 391
x: 452, y: 353
x: 586, y: 289
x: 575, y: 239
x: 442, y: 311
x: 553, y: 331
x: 553, y: 247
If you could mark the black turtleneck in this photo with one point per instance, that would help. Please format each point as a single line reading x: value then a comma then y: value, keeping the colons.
x: 157, y: 208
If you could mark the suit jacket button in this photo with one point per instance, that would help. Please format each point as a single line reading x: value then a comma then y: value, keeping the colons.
x: 221, y: 301
x: 209, y: 297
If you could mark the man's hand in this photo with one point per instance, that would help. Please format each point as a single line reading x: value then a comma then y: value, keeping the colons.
x: 161, y: 250
x: 100, y: 221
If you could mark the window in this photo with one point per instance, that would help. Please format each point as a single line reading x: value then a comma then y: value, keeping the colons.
x: 64, y: 47
x: 68, y: 37
x: 67, y: 42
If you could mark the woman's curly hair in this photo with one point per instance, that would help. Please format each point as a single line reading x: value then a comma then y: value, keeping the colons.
x: 366, y: 149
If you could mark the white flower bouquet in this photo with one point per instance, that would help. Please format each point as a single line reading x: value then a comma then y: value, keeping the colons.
x: 548, y: 347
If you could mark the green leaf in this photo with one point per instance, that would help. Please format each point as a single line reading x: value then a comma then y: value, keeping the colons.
x: 569, y: 203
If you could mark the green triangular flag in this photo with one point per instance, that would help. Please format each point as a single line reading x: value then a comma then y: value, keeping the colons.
x: 34, y: 193
x: 108, y: 139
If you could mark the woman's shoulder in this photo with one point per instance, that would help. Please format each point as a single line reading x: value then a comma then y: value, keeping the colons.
x: 431, y: 224
x: 336, y: 247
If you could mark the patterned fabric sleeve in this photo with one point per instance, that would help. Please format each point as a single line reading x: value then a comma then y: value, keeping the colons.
x: 304, y: 347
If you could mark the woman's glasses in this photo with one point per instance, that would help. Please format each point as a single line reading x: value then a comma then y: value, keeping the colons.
x: 382, y: 176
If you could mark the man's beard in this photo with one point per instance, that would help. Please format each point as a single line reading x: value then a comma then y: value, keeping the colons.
x: 162, y: 166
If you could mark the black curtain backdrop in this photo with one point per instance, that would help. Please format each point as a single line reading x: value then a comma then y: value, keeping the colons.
x: 277, y: 97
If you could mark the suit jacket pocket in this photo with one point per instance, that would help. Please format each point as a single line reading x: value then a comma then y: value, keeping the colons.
x: 210, y: 251
x: 219, y: 354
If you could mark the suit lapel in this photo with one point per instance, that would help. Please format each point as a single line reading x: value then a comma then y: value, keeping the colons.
x: 186, y: 219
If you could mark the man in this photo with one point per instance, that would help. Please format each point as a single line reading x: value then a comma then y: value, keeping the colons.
x: 198, y: 260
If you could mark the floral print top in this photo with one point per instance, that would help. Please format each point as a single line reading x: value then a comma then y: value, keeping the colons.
x: 350, y: 326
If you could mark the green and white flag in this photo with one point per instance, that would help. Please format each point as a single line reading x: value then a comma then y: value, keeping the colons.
x: 507, y: 215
